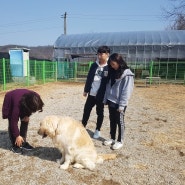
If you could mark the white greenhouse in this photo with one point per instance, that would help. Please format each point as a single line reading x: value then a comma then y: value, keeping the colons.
x: 165, y: 49
x: 138, y: 45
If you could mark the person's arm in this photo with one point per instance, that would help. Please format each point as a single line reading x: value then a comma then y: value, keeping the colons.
x: 90, y: 78
x: 14, y: 121
x: 105, y: 95
x: 14, y: 126
x: 25, y: 119
x: 84, y: 94
x: 126, y: 92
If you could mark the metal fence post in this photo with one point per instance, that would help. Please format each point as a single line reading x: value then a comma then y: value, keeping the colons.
x: 28, y: 73
x: 75, y: 70
x: 4, y: 75
x: 35, y: 69
x: 43, y: 72
x: 56, y: 71
x: 151, y: 70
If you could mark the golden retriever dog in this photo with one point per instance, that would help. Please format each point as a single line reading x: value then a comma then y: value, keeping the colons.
x: 72, y: 139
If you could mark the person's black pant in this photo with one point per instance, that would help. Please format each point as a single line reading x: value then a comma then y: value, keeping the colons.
x: 23, y: 132
x: 116, y: 119
x: 90, y: 103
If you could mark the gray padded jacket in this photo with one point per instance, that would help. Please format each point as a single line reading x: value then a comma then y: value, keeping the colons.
x: 121, y: 90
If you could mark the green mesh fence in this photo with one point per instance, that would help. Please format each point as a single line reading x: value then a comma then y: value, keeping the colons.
x: 40, y: 72
x: 167, y: 70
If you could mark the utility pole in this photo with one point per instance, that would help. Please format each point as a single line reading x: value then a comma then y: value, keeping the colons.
x: 64, y: 16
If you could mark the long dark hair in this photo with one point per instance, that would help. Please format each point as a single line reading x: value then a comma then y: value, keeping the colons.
x: 30, y: 103
x: 116, y: 74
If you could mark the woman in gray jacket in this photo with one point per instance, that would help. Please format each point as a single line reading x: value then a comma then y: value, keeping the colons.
x: 118, y: 91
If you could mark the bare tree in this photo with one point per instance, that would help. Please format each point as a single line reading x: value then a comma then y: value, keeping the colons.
x: 176, y: 14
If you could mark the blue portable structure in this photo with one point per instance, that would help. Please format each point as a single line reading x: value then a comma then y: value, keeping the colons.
x: 19, y: 60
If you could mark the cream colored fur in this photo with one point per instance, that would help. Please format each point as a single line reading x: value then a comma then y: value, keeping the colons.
x: 72, y: 139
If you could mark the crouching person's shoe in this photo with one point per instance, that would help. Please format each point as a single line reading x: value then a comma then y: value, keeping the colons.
x: 16, y: 150
x: 27, y: 146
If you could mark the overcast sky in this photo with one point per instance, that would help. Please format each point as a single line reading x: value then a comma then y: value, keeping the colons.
x: 41, y: 22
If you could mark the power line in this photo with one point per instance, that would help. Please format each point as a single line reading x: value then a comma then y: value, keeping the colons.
x: 26, y: 22
x: 101, y: 17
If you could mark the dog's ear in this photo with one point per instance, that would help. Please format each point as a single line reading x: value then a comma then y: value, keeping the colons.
x: 51, y: 125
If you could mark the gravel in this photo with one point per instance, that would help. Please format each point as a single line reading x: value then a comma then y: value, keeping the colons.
x: 154, y: 145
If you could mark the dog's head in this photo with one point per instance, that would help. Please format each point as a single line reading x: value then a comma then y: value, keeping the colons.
x: 48, y: 126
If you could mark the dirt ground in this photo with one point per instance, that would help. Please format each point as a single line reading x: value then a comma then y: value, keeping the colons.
x: 154, y: 145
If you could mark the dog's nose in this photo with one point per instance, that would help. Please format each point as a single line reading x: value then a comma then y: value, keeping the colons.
x: 44, y: 135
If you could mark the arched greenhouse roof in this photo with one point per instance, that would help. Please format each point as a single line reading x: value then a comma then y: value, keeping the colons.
x: 135, y: 44
x: 172, y: 37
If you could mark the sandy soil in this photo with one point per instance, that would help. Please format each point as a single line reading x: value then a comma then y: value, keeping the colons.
x: 154, y: 145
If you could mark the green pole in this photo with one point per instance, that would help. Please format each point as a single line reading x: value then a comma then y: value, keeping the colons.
x: 75, y: 71
x: 35, y: 69
x: 4, y: 75
x: 43, y: 72
x: 28, y: 75
x: 56, y: 71
x: 151, y: 70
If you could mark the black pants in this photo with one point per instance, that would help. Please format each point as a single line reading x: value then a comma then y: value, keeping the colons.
x: 116, y: 119
x: 23, y: 132
x: 90, y: 103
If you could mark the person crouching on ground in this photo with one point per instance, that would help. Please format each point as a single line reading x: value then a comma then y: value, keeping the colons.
x: 20, y: 104
x: 95, y: 89
x: 118, y: 91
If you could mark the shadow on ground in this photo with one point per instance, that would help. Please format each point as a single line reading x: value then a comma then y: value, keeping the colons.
x: 45, y: 153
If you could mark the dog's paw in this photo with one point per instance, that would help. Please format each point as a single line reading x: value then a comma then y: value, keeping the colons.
x: 90, y: 165
x: 77, y: 165
x: 99, y: 160
x: 60, y: 161
x: 64, y: 166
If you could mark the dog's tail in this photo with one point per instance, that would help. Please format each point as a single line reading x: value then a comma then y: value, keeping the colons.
x: 103, y: 157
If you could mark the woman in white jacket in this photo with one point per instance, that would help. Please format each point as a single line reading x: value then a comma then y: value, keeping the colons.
x: 118, y: 91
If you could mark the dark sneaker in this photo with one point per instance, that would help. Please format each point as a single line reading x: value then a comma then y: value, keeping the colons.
x: 27, y: 146
x: 16, y: 150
